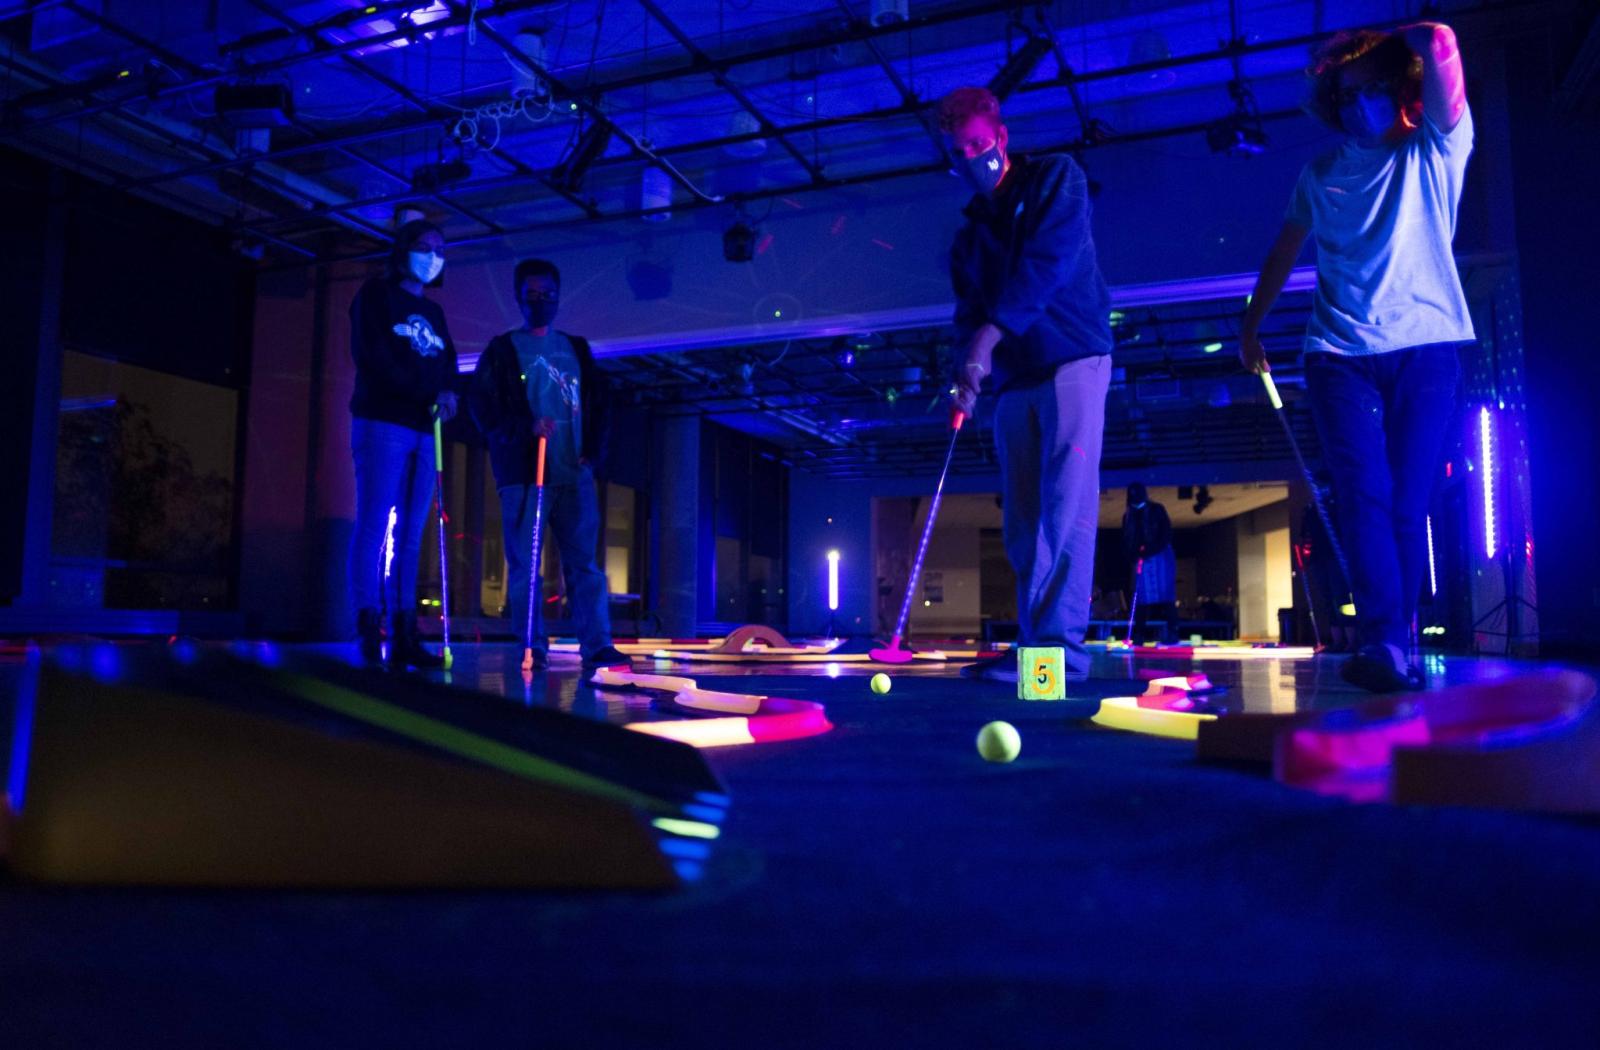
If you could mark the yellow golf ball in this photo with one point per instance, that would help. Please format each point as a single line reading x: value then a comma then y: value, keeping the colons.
x: 880, y: 683
x: 999, y: 742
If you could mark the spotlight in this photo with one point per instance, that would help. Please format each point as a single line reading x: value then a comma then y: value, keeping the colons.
x: 1020, y: 66
x: 1202, y: 500
x: 525, y: 83
x: 254, y: 105
x: 591, y: 145
x: 426, y: 178
x: 739, y: 242
x: 888, y: 12
x: 1239, y: 133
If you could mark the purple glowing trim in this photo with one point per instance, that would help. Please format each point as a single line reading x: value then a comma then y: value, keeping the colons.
x: 1486, y: 450
x: 1160, y: 293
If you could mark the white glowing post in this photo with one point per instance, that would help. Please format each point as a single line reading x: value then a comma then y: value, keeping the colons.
x: 388, y: 543
x: 1433, y: 573
x: 1486, y: 447
x: 833, y: 581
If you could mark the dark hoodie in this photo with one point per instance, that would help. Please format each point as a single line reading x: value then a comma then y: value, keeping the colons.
x: 498, y: 399
x: 403, y: 354
x: 1025, y: 262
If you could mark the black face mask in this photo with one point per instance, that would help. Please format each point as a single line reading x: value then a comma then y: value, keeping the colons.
x: 984, y: 172
x: 539, y: 314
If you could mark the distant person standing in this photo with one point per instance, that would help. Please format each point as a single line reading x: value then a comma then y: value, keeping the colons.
x: 537, y: 381
x: 1389, y: 314
x: 1147, y: 543
x: 405, y: 374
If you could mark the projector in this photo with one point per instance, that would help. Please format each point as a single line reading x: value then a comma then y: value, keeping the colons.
x: 1239, y: 135
x: 254, y: 105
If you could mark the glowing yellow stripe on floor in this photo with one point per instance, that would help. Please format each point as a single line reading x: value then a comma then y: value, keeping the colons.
x: 457, y: 741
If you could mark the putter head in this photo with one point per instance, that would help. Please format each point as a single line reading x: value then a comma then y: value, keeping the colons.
x: 892, y: 655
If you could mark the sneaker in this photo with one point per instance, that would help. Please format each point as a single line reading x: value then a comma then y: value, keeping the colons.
x: 610, y: 656
x: 999, y: 668
x: 1374, y: 668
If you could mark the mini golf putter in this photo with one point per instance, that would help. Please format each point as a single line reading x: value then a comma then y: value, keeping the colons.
x: 894, y: 654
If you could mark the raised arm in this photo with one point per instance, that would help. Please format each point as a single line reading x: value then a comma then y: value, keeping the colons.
x: 1444, y: 85
x: 1274, y: 274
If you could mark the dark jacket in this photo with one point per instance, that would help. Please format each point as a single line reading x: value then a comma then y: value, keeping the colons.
x: 1146, y: 531
x: 403, y: 355
x: 1025, y: 262
x: 498, y: 400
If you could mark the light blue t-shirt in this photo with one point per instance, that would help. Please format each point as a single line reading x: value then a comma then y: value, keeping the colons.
x: 1383, y: 218
x: 550, y: 370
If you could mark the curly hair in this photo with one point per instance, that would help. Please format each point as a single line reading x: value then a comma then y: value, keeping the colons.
x: 964, y: 103
x: 1394, y: 61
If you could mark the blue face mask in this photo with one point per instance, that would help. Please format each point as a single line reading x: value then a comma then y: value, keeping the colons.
x: 1368, y: 117
x: 985, y: 171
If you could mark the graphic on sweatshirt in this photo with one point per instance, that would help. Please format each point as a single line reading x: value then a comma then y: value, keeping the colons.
x: 424, y: 340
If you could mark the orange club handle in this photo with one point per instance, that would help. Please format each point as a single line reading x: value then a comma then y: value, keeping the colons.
x: 538, y: 477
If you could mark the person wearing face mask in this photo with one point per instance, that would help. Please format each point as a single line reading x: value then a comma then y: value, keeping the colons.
x: 1032, y: 315
x: 405, y: 373
x: 1389, y: 314
x: 537, y: 381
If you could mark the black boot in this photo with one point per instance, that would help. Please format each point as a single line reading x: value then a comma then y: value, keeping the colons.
x: 369, y: 632
x: 405, y: 650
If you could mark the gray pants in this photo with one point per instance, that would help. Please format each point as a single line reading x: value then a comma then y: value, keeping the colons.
x: 1048, y: 437
x: 572, y: 522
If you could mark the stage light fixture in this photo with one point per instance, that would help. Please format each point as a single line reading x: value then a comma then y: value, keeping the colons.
x: 525, y: 83
x: 1203, y: 499
x: 739, y: 242
x: 1240, y: 133
x: 590, y: 147
x: 426, y: 178
x: 888, y: 12
x: 254, y: 105
x: 1020, y: 66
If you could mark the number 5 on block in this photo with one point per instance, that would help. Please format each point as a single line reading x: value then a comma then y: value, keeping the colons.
x: 1042, y: 673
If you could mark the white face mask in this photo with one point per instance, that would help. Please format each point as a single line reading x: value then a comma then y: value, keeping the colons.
x: 425, y: 266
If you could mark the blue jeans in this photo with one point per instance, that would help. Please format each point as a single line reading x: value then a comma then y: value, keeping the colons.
x: 394, y: 468
x: 572, y: 523
x: 1048, y: 437
x: 1382, y: 420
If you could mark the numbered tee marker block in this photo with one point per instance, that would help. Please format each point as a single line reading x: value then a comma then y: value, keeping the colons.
x: 1041, y: 673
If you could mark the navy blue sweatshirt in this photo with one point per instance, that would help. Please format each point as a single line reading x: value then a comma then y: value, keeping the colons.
x: 1025, y: 262
x: 403, y: 354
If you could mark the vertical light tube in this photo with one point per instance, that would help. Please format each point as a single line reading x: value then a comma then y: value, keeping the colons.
x: 1486, y: 450
x: 1433, y: 572
x: 388, y: 542
x: 833, y: 581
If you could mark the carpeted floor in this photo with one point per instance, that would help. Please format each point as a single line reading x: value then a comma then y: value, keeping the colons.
x: 880, y: 886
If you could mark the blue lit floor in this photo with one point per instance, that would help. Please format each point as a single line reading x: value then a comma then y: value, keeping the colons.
x: 880, y: 886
